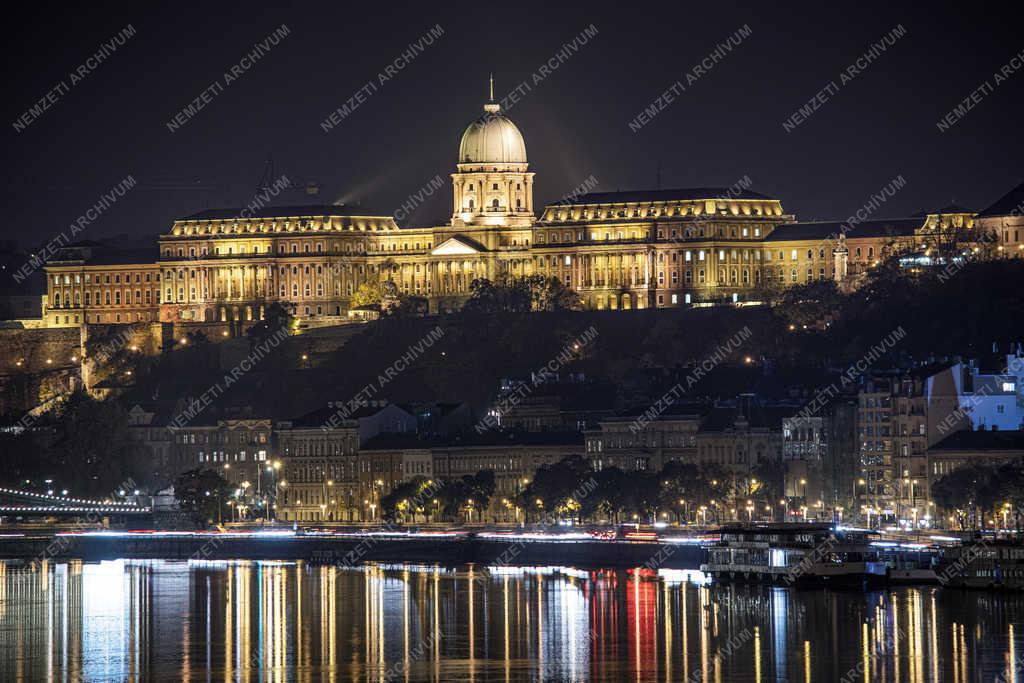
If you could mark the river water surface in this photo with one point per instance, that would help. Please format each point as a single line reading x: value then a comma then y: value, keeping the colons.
x: 171, y: 621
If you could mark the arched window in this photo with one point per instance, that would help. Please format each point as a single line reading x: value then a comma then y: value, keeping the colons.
x: 471, y: 201
x: 494, y: 204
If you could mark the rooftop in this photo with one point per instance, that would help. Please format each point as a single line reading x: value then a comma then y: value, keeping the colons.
x: 100, y: 254
x: 825, y: 230
x: 1010, y: 204
x: 335, y: 412
x: 953, y: 208
x: 681, y: 194
x: 310, y: 210
x: 724, y: 418
x: 982, y: 440
x: 385, y: 442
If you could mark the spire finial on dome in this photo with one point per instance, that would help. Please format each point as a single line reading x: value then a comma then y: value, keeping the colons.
x: 492, y: 107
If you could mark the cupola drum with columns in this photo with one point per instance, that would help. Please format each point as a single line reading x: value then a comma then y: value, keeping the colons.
x: 492, y: 185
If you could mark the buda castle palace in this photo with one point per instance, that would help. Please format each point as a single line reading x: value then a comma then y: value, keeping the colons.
x: 617, y: 250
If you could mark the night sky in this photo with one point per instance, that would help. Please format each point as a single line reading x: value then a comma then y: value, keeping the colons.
x: 726, y: 125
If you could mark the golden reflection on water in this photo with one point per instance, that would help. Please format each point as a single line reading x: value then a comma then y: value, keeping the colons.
x: 282, y: 621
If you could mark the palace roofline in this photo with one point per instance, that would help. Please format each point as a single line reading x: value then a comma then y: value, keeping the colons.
x: 299, y: 211
x: 679, y: 194
x: 101, y: 254
x: 1012, y: 201
x: 946, y: 210
x: 880, y: 227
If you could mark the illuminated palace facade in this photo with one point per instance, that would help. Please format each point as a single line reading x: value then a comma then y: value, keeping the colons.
x: 618, y: 250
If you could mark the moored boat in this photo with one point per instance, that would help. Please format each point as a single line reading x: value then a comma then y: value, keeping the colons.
x: 983, y: 562
x: 794, y: 554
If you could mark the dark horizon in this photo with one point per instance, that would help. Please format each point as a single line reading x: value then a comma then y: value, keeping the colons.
x: 727, y: 125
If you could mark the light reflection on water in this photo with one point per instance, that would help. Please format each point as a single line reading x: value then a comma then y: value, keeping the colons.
x: 156, y: 620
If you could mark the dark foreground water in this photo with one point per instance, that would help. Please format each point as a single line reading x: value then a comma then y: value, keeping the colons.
x: 154, y: 620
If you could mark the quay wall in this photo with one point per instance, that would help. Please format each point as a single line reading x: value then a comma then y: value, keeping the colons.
x: 354, y: 550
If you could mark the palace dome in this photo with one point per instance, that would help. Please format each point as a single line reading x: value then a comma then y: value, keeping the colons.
x: 492, y: 138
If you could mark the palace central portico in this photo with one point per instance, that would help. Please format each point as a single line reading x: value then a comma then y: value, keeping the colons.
x: 618, y: 250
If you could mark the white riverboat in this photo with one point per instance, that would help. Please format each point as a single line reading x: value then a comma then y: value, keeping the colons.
x: 794, y: 554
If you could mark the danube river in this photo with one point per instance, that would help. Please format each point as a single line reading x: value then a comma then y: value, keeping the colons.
x: 160, y: 620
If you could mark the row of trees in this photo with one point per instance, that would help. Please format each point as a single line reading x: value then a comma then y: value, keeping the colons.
x: 82, y: 445
x: 975, y: 493
x: 571, y: 489
x: 203, y: 494
x: 447, y: 500
x: 521, y: 295
x: 681, y: 492
x: 507, y: 294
